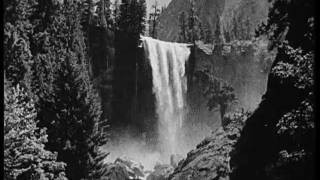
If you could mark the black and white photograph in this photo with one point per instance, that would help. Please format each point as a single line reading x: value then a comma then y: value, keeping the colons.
x: 159, y: 89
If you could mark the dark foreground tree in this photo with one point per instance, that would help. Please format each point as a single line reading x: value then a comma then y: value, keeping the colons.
x: 67, y: 102
x: 77, y: 133
x: 278, y: 140
x: 24, y: 153
x: 130, y: 26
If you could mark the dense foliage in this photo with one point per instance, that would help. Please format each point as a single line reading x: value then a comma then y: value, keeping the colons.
x: 190, y: 27
x: 218, y: 92
x: 237, y: 23
x: 24, y: 153
x: 130, y: 24
x: 17, y: 30
x: 46, y: 52
x: 283, y: 127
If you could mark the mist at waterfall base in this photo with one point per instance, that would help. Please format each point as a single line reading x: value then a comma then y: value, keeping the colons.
x: 175, y: 135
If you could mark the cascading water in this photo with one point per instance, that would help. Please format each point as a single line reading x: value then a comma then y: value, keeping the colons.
x: 168, y: 61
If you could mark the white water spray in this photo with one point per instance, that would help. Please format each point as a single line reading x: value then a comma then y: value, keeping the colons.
x: 168, y: 61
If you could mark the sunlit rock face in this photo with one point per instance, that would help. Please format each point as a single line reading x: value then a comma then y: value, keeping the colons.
x: 209, y: 12
x: 168, y: 61
x: 123, y: 169
x: 169, y: 22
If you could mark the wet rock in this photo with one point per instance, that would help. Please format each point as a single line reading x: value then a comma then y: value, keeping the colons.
x: 210, y: 159
x: 175, y: 159
x: 124, y: 169
x: 161, y: 172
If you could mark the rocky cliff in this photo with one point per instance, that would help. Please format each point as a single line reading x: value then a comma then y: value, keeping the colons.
x: 209, y: 11
x: 244, y: 65
x: 210, y: 159
x: 169, y: 24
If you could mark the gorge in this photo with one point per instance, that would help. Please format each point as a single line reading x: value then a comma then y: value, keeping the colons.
x: 172, y: 115
x: 129, y: 89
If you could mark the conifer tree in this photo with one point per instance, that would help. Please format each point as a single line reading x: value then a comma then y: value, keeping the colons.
x: 153, y: 20
x: 24, y: 153
x: 190, y: 27
x: 104, y: 12
x: 17, y: 30
x: 68, y: 104
x: 115, y: 13
x: 218, y: 38
x: 208, y: 37
x: 130, y: 26
x: 183, y: 25
x: 193, y: 20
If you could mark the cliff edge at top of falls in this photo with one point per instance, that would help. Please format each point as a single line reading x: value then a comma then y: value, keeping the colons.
x: 208, y: 12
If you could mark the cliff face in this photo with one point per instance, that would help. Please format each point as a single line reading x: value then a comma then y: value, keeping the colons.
x: 244, y: 67
x: 169, y: 24
x: 209, y: 11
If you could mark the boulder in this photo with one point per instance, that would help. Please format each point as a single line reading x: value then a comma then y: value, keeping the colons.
x: 175, y: 159
x: 124, y: 169
x: 161, y: 172
x: 210, y: 159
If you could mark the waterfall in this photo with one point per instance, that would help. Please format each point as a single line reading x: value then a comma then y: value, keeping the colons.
x: 168, y: 61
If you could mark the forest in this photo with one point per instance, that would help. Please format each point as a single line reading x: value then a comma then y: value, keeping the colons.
x: 188, y: 90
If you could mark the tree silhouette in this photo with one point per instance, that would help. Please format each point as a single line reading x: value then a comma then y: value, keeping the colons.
x: 153, y: 19
x: 219, y: 93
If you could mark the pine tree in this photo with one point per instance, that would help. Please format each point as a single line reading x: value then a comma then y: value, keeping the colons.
x: 24, y: 153
x: 115, y: 13
x: 218, y: 38
x: 190, y: 26
x: 192, y: 23
x: 208, y: 37
x: 129, y: 27
x: 66, y: 95
x: 183, y: 25
x: 153, y: 20
x: 78, y: 131
x: 17, y: 30
x: 104, y: 13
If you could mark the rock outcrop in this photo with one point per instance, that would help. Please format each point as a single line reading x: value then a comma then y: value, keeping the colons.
x: 124, y: 169
x: 209, y: 11
x: 210, y: 159
x: 160, y: 172
x: 169, y: 23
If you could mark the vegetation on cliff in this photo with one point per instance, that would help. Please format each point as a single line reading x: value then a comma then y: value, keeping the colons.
x: 282, y: 128
x: 53, y: 122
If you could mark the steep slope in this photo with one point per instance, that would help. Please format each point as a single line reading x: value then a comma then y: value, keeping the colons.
x: 169, y: 24
x: 210, y: 159
x: 208, y: 11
